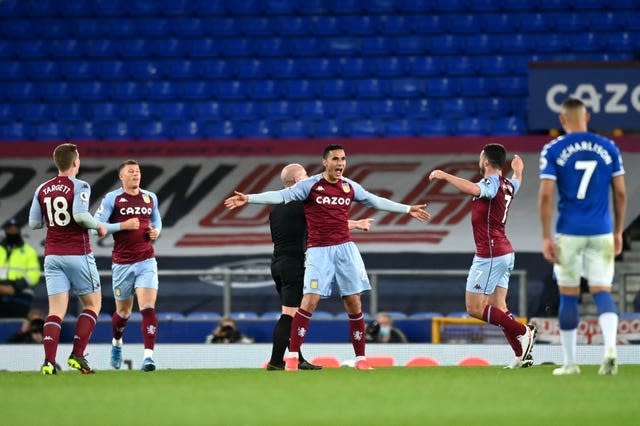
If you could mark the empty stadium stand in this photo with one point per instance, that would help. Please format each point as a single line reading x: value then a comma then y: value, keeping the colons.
x: 289, y: 68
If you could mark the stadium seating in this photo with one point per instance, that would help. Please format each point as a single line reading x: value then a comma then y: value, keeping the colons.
x: 381, y: 54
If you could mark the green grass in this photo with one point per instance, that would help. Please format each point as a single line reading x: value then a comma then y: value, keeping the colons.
x: 392, y: 396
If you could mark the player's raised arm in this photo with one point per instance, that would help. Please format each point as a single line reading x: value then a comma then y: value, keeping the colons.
x: 518, y: 166
x: 237, y: 200
x: 418, y: 212
x: 463, y: 185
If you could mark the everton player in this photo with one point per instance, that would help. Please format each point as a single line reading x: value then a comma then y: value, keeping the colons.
x: 584, y: 167
x: 134, y: 267
x: 62, y: 203
x: 331, y: 254
x: 488, y: 279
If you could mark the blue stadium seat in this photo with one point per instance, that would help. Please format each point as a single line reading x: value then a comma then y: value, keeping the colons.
x: 376, y: 46
x: 280, y: 7
x: 366, y: 127
x: 18, y: 29
x: 426, y: 66
x: 257, y: 26
x: 188, y: 27
x: 336, y: 88
x: 329, y: 128
x: 33, y: 49
x: 321, y: 67
x: 170, y: 48
x: 501, y: 23
x: 245, y: 111
x: 150, y: 129
x: 431, y: 24
x: 271, y: 47
x: 604, y: 21
x: 14, y: 131
x: 493, y: 107
x: 229, y: 90
x: 326, y: 26
x: 347, y: 109
x: 114, y: 130
x: 415, y: 6
x: 185, y: 130
x: 221, y: 130
x: 473, y: 126
x: 322, y: 315
x: 144, y: 69
x: 495, y: 65
x: 535, y: 23
x: 134, y: 48
x: 169, y: 316
x: 516, y: 5
x: 385, y: 7
x: 279, y: 110
x: 7, y: 49
x: 204, y: 48
x: 386, y: 108
x: 298, y: 89
x: 223, y: 27
x: 422, y: 108
x: 371, y: 88
x: 307, y: 47
x: 235, y: 47
x: 627, y: 41
x: 127, y: 91
x: 101, y: 48
x: 551, y: 43
x: 587, y: 42
x: 441, y: 87
x: 180, y: 69
x: 412, y: 45
x: 286, y: 68
x: 401, y: 127
x: 247, y: 7
x: 447, y: 44
x: 480, y: 44
x: 435, y: 127
x: 253, y: 68
x: 517, y: 43
x: 295, y: 129
x: 547, y: 5
x: 395, y: 24
x: 465, y: 23
x: 240, y: 315
x: 355, y: 68
x: 138, y: 110
x: 293, y: 26
x: 347, y: 7
x: 512, y: 86
x: 359, y: 25
x: 56, y: 91
x: 315, y: 109
x: 572, y: 22
x: 78, y: 70
x: 21, y: 91
x: 217, y: 68
x: 11, y: 70
x: 478, y: 86
x: 205, y: 111
x: 450, y: 5
x: 259, y: 129
x: 392, y: 66
x: 161, y: 90
x: 105, y: 111
x: 198, y: 90
x: 461, y: 65
x: 313, y: 7
x: 177, y: 7
x: 457, y: 108
x: 508, y: 126
x: 34, y: 112
x: 621, y: 4
x: 121, y: 28
x: 407, y: 88
x: 9, y: 112
x: 458, y: 314
x: 425, y: 314
x: 173, y: 111
x: 346, y: 46
x: 81, y: 130
x: 265, y: 89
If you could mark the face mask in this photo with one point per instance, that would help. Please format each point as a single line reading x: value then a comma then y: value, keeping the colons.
x: 385, y: 331
x: 13, y: 239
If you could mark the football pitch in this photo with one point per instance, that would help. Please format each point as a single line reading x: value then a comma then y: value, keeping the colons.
x: 343, y: 396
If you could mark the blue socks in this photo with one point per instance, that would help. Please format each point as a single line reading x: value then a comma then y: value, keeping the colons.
x: 568, y: 314
x: 604, y: 302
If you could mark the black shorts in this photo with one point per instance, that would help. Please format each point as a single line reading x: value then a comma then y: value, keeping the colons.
x: 288, y: 274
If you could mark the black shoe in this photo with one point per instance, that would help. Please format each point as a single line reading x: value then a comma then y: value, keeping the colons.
x: 306, y: 365
x: 275, y: 367
x: 80, y: 364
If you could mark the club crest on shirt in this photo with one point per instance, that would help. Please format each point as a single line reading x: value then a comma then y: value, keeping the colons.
x: 146, y: 198
x: 346, y: 188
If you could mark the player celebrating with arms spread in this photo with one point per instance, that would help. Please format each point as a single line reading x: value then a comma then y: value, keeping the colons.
x: 134, y: 267
x: 488, y: 279
x: 331, y: 253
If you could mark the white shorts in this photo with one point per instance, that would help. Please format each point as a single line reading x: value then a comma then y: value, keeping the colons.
x: 341, y: 264
x: 585, y: 256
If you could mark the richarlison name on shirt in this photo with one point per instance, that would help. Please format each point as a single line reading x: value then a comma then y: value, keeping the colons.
x: 569, y: 150
x: 57, y: 188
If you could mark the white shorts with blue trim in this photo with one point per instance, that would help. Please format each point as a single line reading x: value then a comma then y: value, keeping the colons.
x: 128, y: 277
x: 589, y: 256
x: 487, y: 273
x: 341, y: 264
x: 74, y: 273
